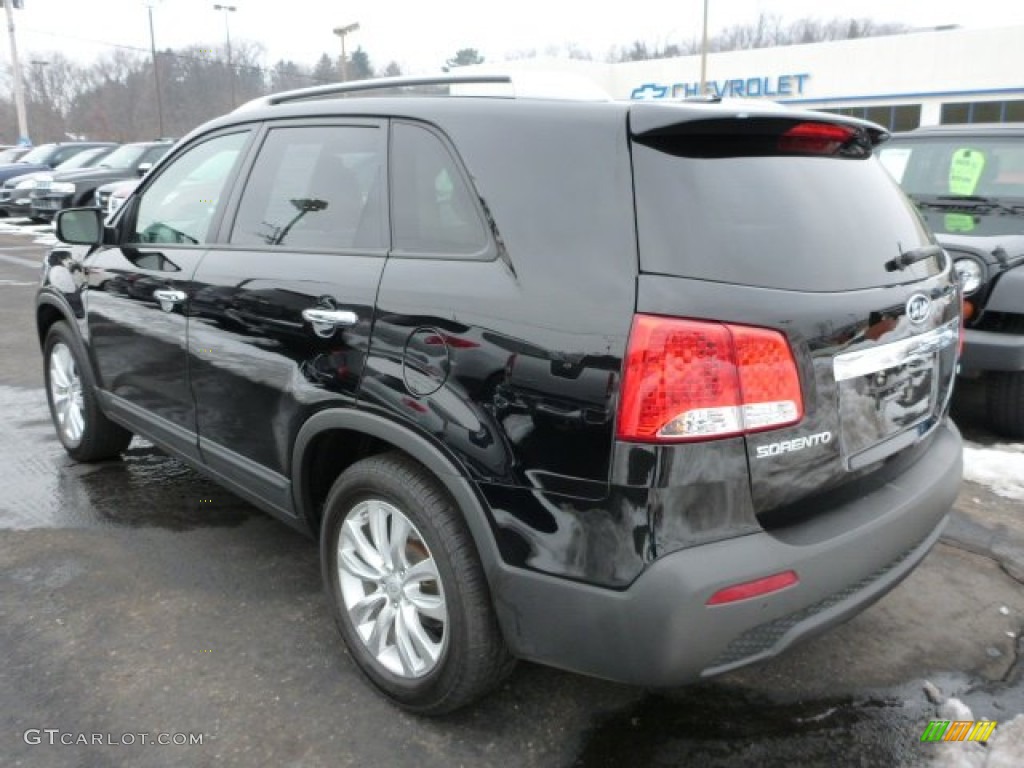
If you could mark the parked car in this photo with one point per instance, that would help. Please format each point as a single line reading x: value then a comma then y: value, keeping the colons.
x: 646, y: 391
x: 110, y: 196
x: 76, y: 188
x: 46, y: 157
x: 15, y: 193
x: 968, y: 183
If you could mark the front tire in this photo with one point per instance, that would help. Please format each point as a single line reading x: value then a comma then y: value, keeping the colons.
x: 1004, y: 399
x: 406, y: 587
x: 86, y: 433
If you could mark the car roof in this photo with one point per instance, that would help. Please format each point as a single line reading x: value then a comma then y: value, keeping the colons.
x: 547, y: 94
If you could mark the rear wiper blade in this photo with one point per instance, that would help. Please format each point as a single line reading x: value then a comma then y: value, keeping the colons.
x: 914, y: 255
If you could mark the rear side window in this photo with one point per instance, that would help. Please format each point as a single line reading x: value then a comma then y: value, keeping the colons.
x: 790, y: 222
x: 314, y: 188
x: 432, y: 207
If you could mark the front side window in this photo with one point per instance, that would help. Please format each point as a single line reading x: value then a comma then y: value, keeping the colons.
x: 178, y: 207
x: 314, y: 188
x: 65, y: 153
x: 432, y: 206
x: 83, y: 159
x: 124, y: 157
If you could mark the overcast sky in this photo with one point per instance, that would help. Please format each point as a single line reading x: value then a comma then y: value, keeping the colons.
x: 420, y: 34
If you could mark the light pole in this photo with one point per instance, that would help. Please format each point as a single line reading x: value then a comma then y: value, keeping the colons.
x: 156, y: 73
x: 704, y: 53
x: 227, y: 34
x: 19, y: 91
x: 341, y: 32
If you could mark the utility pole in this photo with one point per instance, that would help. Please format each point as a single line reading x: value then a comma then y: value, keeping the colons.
x: 342, y: 32
x: 227, y: 34
x: 19, y: 91
x: 156, y: 74
x: 704, y: 54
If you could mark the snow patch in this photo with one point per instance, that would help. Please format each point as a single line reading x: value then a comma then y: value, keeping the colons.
x: 1000, y: 467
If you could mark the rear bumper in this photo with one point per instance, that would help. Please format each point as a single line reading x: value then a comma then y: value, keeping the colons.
x: 990, y: 351
x: 660, y: 632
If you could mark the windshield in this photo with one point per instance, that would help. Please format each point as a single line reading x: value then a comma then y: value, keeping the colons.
x: 39, y: 155
x: 83, y: 159
x: 123, y: 158
x: 957, y: 166
x: 10, y: 155
x: 964, y: 185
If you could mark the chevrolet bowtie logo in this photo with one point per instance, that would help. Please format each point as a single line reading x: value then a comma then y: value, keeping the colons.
x: 649, y: 91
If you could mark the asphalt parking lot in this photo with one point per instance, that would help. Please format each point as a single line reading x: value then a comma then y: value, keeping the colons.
x: 140, y: 600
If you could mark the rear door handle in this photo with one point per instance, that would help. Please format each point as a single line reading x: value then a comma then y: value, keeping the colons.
x: 172, y: 296
x: 326, y: 321
x: 168, y: 298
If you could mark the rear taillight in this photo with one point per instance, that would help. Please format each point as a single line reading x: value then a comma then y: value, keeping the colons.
x: 815, y: 138
x: 697, y: 380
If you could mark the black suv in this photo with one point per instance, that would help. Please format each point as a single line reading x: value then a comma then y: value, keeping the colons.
x: 64, y: 189
x: 644, y: 391
x: 968, y: 183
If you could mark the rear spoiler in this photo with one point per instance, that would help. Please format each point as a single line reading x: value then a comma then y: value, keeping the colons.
x: 708, y: 130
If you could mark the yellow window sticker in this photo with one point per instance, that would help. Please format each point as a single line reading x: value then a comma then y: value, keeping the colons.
x: 959, y: 222
x: 965, y: 171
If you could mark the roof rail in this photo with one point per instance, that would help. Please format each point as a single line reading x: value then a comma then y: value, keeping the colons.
x: 377, y: 84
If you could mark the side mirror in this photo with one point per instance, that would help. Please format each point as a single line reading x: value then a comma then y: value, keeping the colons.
x: 143, y: 169
x: 80, y: 226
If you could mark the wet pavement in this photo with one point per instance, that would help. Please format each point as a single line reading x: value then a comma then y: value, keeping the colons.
x: 138, y: 597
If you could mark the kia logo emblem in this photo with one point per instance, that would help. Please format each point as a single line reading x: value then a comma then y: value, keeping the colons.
x: 919, y: 307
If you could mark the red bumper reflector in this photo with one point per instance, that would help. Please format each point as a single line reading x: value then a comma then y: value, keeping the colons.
x: 755, y: 588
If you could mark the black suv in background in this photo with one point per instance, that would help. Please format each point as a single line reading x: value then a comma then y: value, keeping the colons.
x: 968, y: 183
x: 15, y: 194
x: 45, y: 157
x: 643, y: 391
x: 78, y: 187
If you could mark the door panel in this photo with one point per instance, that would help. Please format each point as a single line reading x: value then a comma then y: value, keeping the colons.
x: 283, y: 310
x: 136, y: 301
x: 258, y: 368
x: 138, y: 294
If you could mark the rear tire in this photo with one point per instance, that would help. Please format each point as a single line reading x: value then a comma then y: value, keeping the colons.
x: 406, y: 587
x: 1005, y: 402
x: 86, y: 433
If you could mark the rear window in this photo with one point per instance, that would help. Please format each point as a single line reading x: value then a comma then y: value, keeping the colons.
x: 789, y: 222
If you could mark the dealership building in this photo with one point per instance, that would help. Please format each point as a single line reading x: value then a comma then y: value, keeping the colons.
x: 901, y: 81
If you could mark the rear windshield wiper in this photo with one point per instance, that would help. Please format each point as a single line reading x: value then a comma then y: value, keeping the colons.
x: 914, y: 255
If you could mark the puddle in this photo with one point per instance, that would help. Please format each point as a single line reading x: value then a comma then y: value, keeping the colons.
x: 714, y: 725
x: 42, y: 487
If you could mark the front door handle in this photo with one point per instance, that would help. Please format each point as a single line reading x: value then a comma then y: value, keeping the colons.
x: 326, y: 321
x: 168, y: 298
